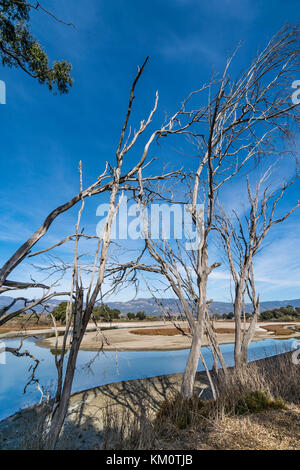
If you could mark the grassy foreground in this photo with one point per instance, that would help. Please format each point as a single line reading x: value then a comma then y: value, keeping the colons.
x: 257, y: 408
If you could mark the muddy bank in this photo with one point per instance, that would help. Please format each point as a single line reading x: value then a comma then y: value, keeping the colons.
x: 89, y: 410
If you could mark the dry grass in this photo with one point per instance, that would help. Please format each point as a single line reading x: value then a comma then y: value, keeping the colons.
x: 279, y: 330
x: 124, y: 430
x: 266, y: 430
x: 4, y: 330
x: 26, y: 325
x: 33, y: 429
x: 174, y: 331
x: 19, y: 328
x: 276, y: 376
x: 224, y: 330
x: 257, y: 408
x: 269, y: 430
x: 159, y: 331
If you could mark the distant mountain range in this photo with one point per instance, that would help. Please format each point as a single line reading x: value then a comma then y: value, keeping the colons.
x: 6, y: 300
x: 152, y: 307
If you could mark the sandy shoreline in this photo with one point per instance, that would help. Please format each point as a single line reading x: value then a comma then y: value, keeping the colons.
x: 118, y: 336
x: 17, y: 333
x: 122, y: 339
x: 87, y: 409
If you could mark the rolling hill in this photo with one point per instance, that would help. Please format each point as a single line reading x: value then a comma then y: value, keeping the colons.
x: 152, y: 307
x: 156, y: 307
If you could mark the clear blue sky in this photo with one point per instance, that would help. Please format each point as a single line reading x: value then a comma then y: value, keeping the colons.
x: 44, y: 136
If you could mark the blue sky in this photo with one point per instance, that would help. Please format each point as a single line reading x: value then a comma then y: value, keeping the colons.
x: 45, y: 136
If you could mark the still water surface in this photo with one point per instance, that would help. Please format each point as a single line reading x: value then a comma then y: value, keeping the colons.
x: 104, y: 368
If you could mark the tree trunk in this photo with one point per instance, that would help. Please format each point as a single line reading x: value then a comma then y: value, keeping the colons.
x: 217, y: 353
x: 187, y: 387
x: 61, y: 404
x: 249, y: 335
x: 238, y: 328
x: 61, y: 408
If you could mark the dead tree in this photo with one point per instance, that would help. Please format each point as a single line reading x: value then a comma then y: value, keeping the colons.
x: 234, y: 131
x: 105, y: 182
x: 242, y: 240
x: 85, y: 297
x: 114, y: 182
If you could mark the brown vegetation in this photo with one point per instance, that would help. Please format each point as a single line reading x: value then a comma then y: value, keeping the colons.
x: 222, y: 331
x: 27, y: 325
x: 279, y: 330
x: 257, y: 408
x: 160, y: 331
x: 5, y: 330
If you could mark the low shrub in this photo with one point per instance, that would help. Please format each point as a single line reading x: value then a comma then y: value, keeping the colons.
x: 183, y: 413
x: 256, y: 402
x: 224, y: 330
x: 160, y: 331
x: 278, y: 330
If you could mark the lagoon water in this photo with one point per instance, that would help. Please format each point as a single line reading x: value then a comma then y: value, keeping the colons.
x: 99, y: 369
